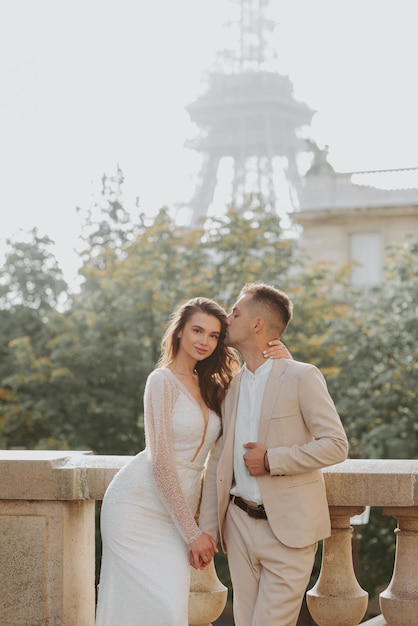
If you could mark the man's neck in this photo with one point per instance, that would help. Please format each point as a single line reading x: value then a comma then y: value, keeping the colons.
x: 253, y: 358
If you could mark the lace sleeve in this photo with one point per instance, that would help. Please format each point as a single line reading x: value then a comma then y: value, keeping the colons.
x: 159, y: 398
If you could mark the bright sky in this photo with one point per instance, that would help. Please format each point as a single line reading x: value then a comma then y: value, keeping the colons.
x: 87, y: 84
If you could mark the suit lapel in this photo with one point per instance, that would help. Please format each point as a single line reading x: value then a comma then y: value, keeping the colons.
x: 272, y: 390
x: 229, y: 414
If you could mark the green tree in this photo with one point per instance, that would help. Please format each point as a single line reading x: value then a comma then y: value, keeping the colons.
x: 317, y: 308
x: 246, y: 245
x: 106, y: 224
x: 29, y: 414
x: 31, y: 276
x: 377, y: 352
x: 110, y: 338
x: 31, y: 286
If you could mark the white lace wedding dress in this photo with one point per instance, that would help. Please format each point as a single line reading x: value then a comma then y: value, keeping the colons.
x: 148, y: 512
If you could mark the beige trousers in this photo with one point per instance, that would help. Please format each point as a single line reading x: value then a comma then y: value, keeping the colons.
x: 268, y: 578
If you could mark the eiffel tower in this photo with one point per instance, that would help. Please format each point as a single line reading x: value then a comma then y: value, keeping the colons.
x: 249, y: 117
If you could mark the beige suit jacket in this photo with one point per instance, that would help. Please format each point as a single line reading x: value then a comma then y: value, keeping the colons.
x: 303, y: 433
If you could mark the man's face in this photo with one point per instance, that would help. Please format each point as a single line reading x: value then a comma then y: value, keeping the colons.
x: 239, y: 327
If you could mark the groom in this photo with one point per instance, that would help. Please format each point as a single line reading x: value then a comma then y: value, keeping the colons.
x: 264, y: 493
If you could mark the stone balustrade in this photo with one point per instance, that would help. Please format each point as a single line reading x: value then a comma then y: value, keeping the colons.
x: 47, y: 542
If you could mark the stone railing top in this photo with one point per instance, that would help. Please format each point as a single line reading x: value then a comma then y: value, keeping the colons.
x: 79, y: 475
x: 28, y: 475
x: 47, y: 456
x: 373, y: 482
x: 56, y: 474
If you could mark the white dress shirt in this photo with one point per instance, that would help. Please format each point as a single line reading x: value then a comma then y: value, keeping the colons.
x: 251, y: 394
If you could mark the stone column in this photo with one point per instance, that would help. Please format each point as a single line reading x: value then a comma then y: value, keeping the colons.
x: 399, y: 602
x: 337, y: 598
x: 207, y: 597
x: 47, y: 542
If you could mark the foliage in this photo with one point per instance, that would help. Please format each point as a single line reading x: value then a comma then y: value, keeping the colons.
x: 31, y: 287
x: 31, y: 276
x: 16, y: 322
x: 27, y: 416
x: 316, y: 310
x: 377, y: 353
x: 247, y: 245
x: 107, y: 224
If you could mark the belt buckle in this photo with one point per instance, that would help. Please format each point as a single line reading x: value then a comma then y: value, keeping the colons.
x: 252, y: 511
x: 256, y: 512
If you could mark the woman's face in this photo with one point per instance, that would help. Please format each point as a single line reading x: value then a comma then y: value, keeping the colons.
x: 200, y: 336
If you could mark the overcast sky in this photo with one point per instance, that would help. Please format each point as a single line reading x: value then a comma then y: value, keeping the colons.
x: 87, y: 84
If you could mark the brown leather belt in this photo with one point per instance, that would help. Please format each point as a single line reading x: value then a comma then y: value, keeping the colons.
x: 259, y: 512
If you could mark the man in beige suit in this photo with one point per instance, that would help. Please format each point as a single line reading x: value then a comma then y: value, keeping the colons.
x: 264, y: 493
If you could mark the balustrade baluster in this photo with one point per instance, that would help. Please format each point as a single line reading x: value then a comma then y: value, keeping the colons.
x: 207, y: 597
x: 337, y: 598
x: 399, y: 602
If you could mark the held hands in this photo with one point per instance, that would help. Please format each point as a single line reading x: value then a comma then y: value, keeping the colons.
x: 255, y: 459
x: 201, y: 551
x: 277, y: 350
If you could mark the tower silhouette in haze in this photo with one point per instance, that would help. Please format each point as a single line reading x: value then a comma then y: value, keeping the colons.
x: 247, y: 118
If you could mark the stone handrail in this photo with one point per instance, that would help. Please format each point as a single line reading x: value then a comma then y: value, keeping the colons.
x: 47, y: 542
x: 337, y: 597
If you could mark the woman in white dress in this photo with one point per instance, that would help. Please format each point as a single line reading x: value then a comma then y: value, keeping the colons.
x: 150, y: 535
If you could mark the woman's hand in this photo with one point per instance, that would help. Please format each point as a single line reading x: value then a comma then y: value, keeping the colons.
x: 277, y: 350
x: 201, y: 551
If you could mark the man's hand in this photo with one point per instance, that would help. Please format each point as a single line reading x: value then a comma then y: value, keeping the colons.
x: 254, y: 458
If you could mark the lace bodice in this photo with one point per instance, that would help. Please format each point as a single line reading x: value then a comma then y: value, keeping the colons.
x: 177, y: 443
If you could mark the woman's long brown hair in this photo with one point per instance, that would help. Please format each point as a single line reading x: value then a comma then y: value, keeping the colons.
x: 215, y: 372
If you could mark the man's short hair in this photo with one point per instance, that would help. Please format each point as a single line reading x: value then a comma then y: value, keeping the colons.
x: 277, y: 306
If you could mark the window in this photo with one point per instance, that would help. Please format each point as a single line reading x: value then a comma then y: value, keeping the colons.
x: 366, y: 254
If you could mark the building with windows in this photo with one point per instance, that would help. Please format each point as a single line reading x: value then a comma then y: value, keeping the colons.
x: 352, y: 217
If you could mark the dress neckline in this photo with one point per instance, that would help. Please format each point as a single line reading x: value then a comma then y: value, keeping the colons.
x: 205, y: 418
x: 187, y: 391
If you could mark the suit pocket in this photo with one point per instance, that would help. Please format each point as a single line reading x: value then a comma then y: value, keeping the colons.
x: 289, y: 411
x: 287, y: 430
